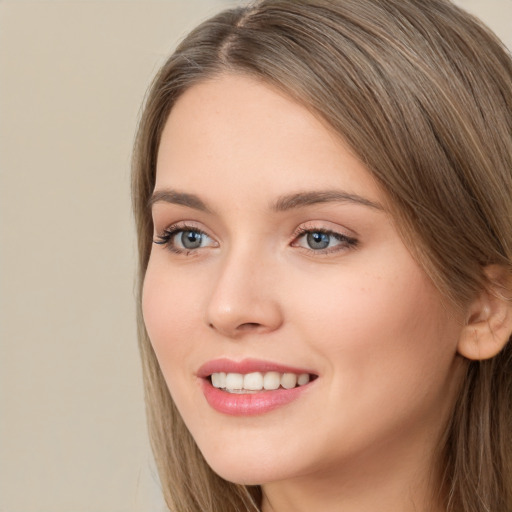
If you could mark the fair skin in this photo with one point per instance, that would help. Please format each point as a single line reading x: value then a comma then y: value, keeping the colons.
x: 256, y: 282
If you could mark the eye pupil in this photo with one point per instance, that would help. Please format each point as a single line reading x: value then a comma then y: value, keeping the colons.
x: 318, y: 240
x: 191, y: 239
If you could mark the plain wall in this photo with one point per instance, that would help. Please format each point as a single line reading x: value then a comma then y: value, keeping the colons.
x: 72, y: 77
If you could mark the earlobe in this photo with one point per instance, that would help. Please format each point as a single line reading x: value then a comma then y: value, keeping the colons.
x: 489, y: 319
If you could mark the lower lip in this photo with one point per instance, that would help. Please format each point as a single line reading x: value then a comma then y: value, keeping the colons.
x: 249, y: 404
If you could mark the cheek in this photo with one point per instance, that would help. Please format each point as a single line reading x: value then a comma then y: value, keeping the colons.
x: 172, y: 316
x: 170, y: 312
x: 389, y: 348
x: 381, y: 328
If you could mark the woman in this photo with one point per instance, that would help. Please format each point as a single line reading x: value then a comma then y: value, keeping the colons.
x: 322, y: 192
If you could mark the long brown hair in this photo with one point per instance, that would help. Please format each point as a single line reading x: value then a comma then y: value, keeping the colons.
x: 422, y: 92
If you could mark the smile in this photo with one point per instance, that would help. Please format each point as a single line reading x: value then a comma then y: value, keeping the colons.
x: 257, y: 381
x: 251, y: 387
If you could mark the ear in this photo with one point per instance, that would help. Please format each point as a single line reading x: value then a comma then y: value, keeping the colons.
x: 489, y: 318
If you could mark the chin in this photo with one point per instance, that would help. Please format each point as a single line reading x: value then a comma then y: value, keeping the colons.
x: 241, y: 469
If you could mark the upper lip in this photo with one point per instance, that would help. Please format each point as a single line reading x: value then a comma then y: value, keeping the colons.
x: 246, y: 366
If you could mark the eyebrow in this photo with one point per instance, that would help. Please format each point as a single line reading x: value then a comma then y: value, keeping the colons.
x: 302, y: 199
x: 282, y: 204
x: 175, y: 197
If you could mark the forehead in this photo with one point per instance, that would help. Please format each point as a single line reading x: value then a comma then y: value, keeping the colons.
x: 235, y: 132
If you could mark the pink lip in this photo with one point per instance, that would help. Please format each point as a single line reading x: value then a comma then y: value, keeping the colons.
x: 249, y: 404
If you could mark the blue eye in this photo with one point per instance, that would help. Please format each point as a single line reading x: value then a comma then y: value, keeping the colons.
x: 183, y: 239
x: 323, y: 241
x: 190, y: 239
x: 318, y: 240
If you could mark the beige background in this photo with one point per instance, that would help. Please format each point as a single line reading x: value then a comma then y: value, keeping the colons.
x: 72, y: 77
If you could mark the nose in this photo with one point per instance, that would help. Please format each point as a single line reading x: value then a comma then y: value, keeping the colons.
x: 244, y: 297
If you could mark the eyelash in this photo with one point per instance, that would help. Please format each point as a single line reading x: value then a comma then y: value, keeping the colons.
x: 169, y: 233
x: 346, y: 242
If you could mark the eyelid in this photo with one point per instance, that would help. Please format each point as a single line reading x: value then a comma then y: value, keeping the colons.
x: 165, y: 237
x: 324, y: 227
x: 180, y: 225
x: 347, y: 240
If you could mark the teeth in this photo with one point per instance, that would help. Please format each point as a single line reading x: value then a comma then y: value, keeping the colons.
x: 219, y: 380
x: 272, y: 380
x: 257, y: 381
x: 289, y: 380
x: 302, y: 379
x: 253, y: 381
x: 234, y: 381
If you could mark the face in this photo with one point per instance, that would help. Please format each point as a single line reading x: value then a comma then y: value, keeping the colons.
x: 296, y: 334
